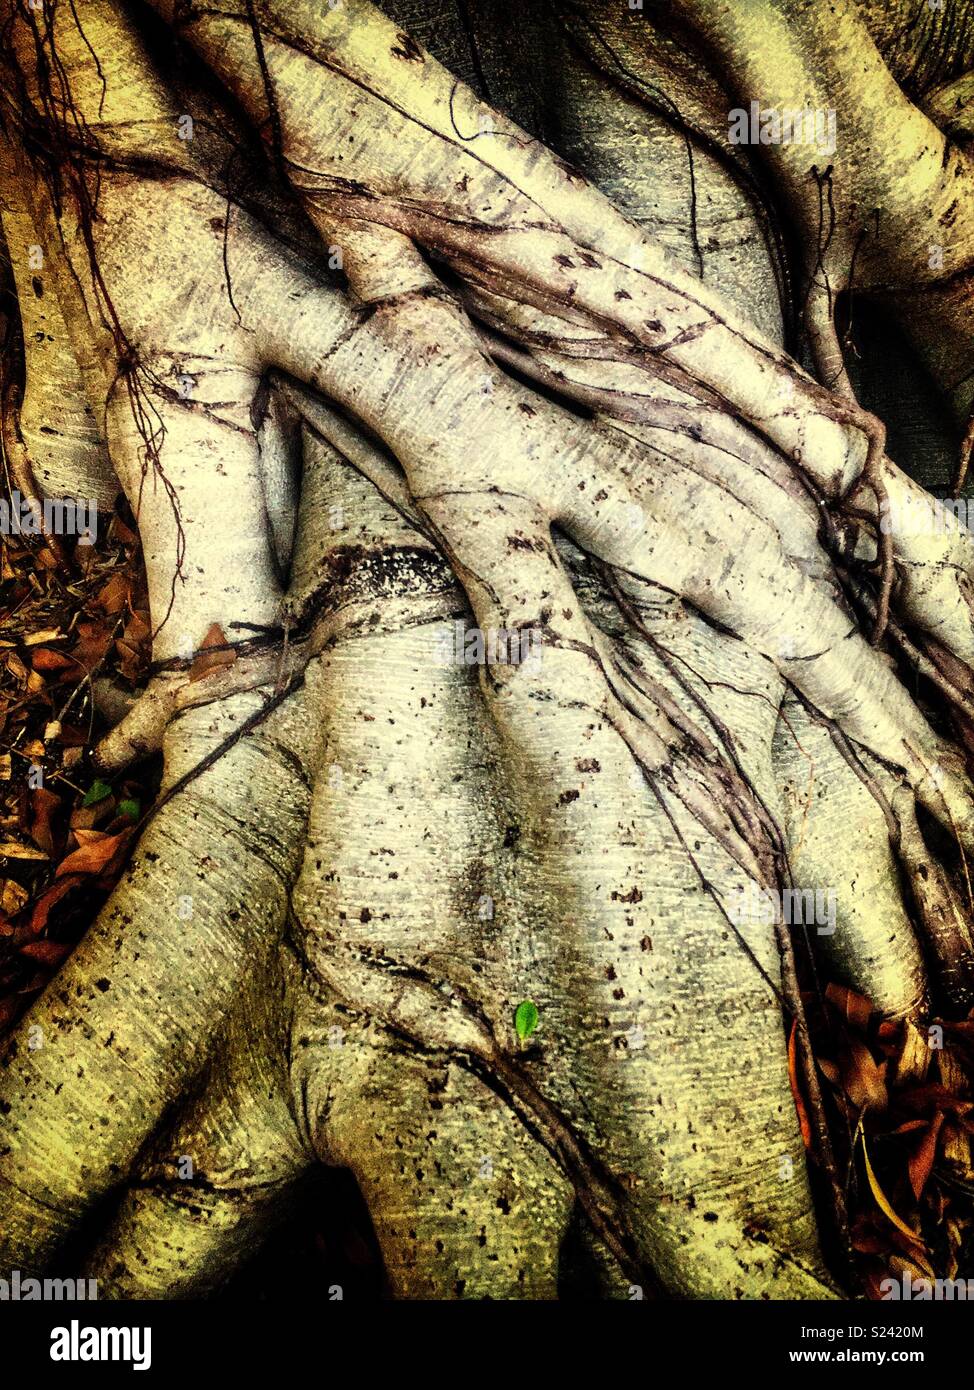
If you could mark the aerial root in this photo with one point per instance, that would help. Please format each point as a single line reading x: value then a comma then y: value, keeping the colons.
x: 947, y: 928
x: 217, y: 1178
x: 823, y: 342
x: 964, y: 457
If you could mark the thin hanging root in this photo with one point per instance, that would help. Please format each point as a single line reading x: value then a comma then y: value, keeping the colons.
x: 872, y: 476
x: 964, y: 457
x: 830, y: 366
x: 824, y: 1151
x: 917, y: 658
x: 758, y: 817
x: 946, y: 925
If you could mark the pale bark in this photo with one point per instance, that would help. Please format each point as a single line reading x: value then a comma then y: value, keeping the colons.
x: 534, y: 409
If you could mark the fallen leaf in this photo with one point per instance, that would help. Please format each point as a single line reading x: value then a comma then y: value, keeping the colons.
x: 93, y: 854
x: 53, y: 664
x: 920, y: 1099
x: 113, y: 596
x: 853, y: 1007
x: 913, y: 1057
x: 47, y: 952
x: 208, y: 660
x: 863, y: 1079
x: 94, y: 640
x: 923, y: 1155
x: 12, y: 897
x: 96, y: 792
x: 10, y: 849
x: 880, y: 1196
x: 49, y: 898
x: 43, y: 805
x: 121, y: 532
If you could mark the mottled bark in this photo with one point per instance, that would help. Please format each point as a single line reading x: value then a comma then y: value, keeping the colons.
x: 548, y: 399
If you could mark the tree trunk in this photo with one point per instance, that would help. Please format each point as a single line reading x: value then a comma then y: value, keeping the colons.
x: 500, y: 411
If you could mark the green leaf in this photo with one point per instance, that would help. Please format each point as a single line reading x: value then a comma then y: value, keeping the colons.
x: 526, y: 1018
x: 129, y: 808
x: 95, y: 793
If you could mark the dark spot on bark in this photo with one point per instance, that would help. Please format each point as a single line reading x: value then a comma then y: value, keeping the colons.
x: 634, y: 896
x: 646, y: 944
x: 566, y: 797
x: 710, y: 1216
x: 409, y: 49
x: 512, y: 833
x: 601, y: 495
x: 365, y: 915
x: 37, y: 285
x: 103, y: 985
x: 525, y: 408
x: 503, y: 1205
x: 654, y: 325
x: 610, y: 973
x: 588, y: 260
x: 623, y: 294
x: 588, y: 764
x: 563, y: 260
x: 618, y: 994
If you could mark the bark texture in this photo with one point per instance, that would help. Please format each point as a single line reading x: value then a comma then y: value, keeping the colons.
x: 403, y: 348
